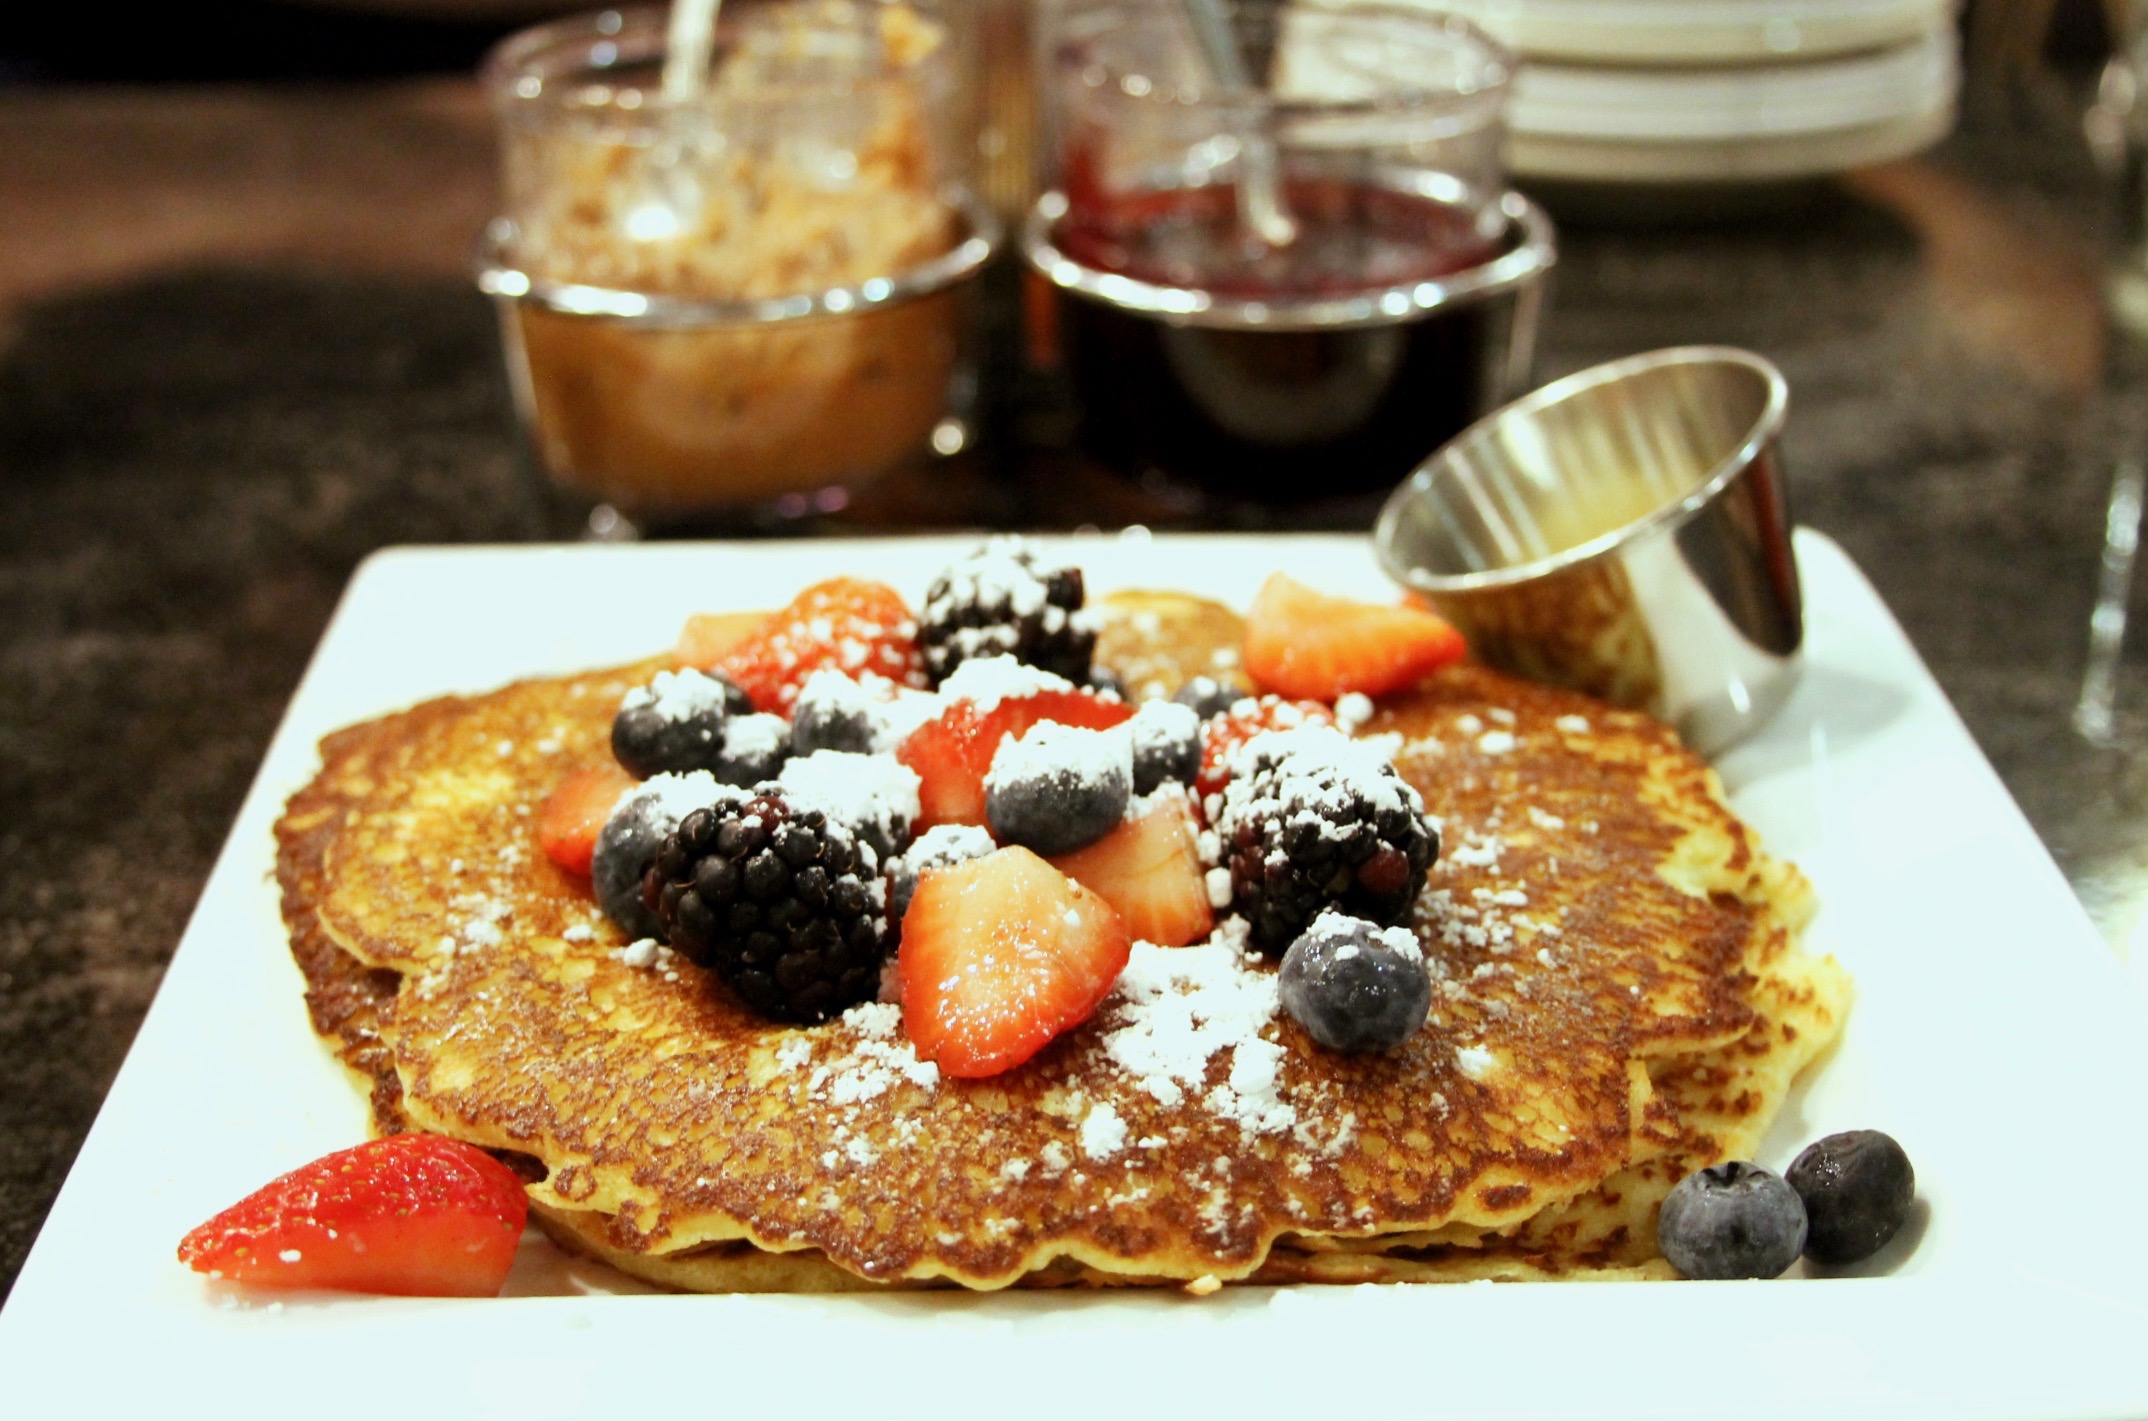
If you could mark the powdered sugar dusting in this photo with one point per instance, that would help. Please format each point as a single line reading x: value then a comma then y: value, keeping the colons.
x: 985, y: 681
x: 1178, y: 1008
x: 1103, y: 1132
x: 867, y: 793
x: 880, y: 1059
x: 678, y: 696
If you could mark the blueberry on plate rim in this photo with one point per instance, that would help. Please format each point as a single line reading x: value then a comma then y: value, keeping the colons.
x: 1731, y: 1220
x: 1856, y: 1186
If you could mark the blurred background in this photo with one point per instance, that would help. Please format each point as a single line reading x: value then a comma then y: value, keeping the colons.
x: 241, y: 347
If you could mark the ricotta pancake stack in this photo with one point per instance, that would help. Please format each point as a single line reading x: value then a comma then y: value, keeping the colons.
x: 1619, y: 999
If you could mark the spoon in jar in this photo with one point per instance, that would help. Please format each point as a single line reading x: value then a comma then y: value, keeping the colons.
x: 1260, y: 198
x: 675, y: 194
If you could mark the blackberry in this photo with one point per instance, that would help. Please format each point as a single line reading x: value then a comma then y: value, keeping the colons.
x: 675, y: 724
x: 779, y: 903
x: 629, y: 841
x: 1000, y: 601
x: 1313, y: 820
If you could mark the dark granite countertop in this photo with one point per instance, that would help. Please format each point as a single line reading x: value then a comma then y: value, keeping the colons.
x: 192, y: 462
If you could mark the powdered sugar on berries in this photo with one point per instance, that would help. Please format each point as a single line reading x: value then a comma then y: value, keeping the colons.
x: 678, y: 696
x: 875, y: 795
x: 985, y: 681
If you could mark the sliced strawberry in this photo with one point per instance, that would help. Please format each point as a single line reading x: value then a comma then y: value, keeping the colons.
x: 845, y: 623
x: 418, y: 1215
x: 1225, y: 733
x: 952, y: 754
x: 574, y: 813
x: 1309, y: 645
x: 1149, y: 870
x: 999, y: 955
x: 708, y: 636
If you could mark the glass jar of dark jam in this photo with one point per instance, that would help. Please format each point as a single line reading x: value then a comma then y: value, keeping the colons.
x: 1400, y: 306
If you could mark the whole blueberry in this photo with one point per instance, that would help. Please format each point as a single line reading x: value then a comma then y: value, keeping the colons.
x: 1167, y: 744
x: 754, y: 749
x: 1059, y: 787
x: 1209, y: 697
x: 675, y: 724
x: 1733, y: 1220
x: 1355, y: 986
x: 1857, y: 1187
x: 628, y: 842
x: 1105, y: 681
x: 834, y: 712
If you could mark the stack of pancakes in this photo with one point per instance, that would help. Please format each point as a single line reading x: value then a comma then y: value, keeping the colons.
x: 1619, y: 1000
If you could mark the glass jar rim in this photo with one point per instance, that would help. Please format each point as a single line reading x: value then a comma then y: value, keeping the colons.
x: 499, y: 277
x: 1531, y: 253
x: 512, y: 70
x: 1144, y: 90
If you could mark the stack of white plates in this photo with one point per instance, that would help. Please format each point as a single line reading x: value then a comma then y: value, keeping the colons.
x: 1721, y: 91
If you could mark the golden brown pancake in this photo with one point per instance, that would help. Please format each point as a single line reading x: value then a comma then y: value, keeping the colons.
x: 1618, y: 980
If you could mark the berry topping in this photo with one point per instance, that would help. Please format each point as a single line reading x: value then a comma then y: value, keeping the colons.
x: 416, y: 1215
x: 1733, y: 1220
x: 1307, y: 644
x: 1208, y: 698
x: 1005, y: 600
x: 953, y: 753
x: 754, y: 749
x: 779, y: 903
x: 573, y: 814
x: 1167, y: 745
x: 1355, y: 986
x: 1058, y: 787
x: 631, y: 837
x: 1149, y: 870
x: 999, y: 956
x: 935, y: 848
x: 708, y: 635
x: 863, y: 717
x: 1312, y: 819
x: 845, y: 624
x: 873, y: 796
x: 675, y: 723
x: 1856, y: 1187
x: 1105, y: 682
x: 1247, y: 717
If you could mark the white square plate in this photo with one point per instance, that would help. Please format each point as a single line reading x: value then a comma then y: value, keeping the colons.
x: 1993, y: 1034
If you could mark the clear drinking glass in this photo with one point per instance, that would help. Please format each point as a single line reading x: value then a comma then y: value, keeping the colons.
x: 1399, y: 304
x: 751, y: 302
